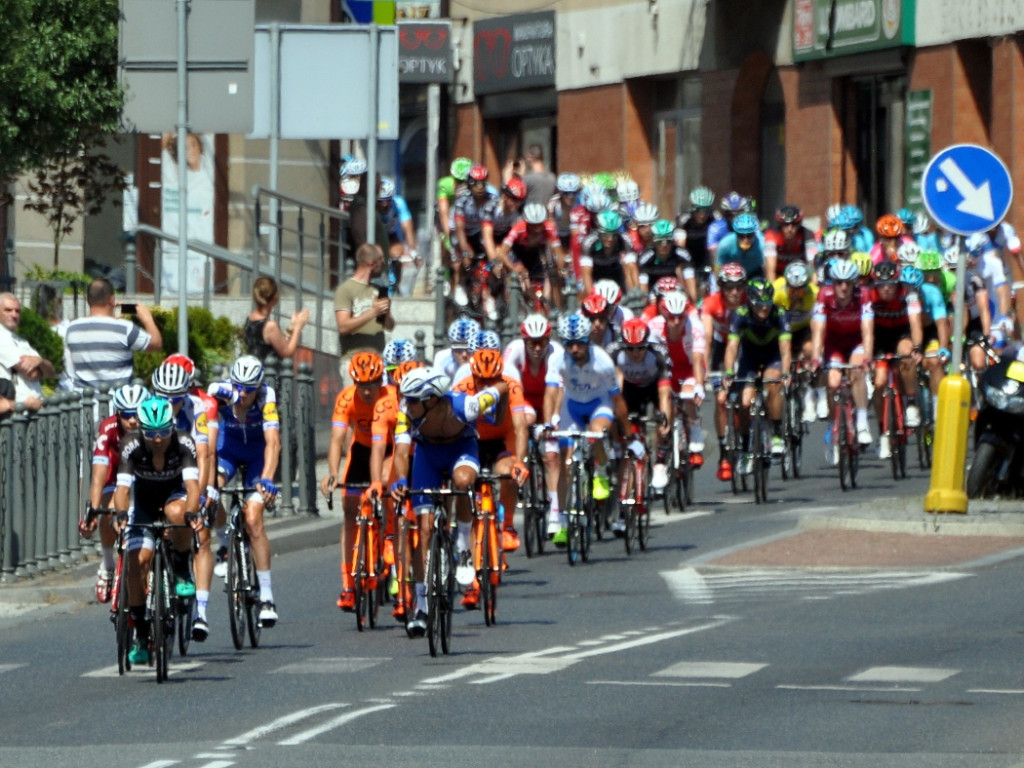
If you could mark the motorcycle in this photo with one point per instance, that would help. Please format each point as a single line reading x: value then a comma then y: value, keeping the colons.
x: 998, y: 466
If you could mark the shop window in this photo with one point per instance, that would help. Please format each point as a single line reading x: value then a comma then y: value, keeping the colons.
x: 877, y: 142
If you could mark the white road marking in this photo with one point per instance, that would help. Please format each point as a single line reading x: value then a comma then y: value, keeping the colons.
x: 1006, y: 691
x: 9, y: 667
x: 329, y: 666
x: 870, y: 688
x: 160, y: 764
x: 688, y: 585
x: 493, y: 665
x: 305, y: 736
x: 902, y: 675
x: 173, y: 668
x: 679, y: 517
x: 650, y: 639
x: 218, y: 764
x: 712, y: 669
x: 281, y: 722
x: 662, y: 683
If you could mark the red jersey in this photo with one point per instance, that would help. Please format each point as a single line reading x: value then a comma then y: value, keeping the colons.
x: 107, y: 448
x: 842, y: 324
x: 721, y: 316
x: 521, y: 236
x: 802, y: 247
x: 895, y: 314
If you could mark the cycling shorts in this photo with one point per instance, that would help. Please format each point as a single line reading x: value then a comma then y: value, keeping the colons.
x: 435, y: 463
x: 231, y: 457
x: 490, y: 451
x: 887, y: 339
x: 579, y: 415
x: 149, y: 503
x: 749, y: 365
x: 637, y: 397
x: 842, y: 354
x: 357, y: 467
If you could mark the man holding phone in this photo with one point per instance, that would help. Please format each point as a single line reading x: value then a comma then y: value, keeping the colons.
x: 99, y: 349
x: 362, y: 309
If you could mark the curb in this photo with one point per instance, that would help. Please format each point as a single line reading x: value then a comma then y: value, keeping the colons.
x: 905, y: 515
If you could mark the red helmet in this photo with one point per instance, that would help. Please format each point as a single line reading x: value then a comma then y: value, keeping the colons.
x: 665, y: 285
x: 514, y: 188
x: 731, y: 274
x: 595, y: 305
x: 635, y: 332
x: 478, y: 173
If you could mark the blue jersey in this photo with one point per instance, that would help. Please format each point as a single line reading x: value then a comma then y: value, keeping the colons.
x: 396, y: 213
x: 933, y: 305
x: 247, y: 430
x: 752, y: 259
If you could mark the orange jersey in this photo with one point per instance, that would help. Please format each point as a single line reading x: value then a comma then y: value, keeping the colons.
x: 501, y: 425
x: 370, y: 423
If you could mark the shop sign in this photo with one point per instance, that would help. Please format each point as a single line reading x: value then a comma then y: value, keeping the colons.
x: 424, y: 52
x: 917, y: 144
x: 823, y: 28
x: 511, y: 53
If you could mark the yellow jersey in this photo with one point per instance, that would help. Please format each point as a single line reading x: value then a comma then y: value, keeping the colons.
x: 800, y: 314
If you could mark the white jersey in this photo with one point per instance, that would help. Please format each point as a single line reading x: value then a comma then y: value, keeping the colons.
x: 596, y: 380
x: 693, y: 339
x: 515, y: 356
x: 445, y: 361
x: 990, y: 269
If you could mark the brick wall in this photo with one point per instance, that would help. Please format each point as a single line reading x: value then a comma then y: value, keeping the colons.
x: 745, y: 115
x: 813, y: 146
x: 1007, y: 110
x: 716, y: 130
x: 467, y: 132
x: 639, y: 130
x: 591, y: 127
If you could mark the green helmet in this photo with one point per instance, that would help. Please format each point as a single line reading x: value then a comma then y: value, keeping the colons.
x: 608, y: 222
x: 155, y: 413
x: 929, y: 261
x: 863, y: 262
x: 663, y: 229
x: 460, y: 167
x: 702, y: 197
x: 760, y: 293
x: 606, y: 180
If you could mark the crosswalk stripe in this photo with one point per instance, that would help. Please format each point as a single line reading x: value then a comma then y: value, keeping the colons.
x: 902, y: 675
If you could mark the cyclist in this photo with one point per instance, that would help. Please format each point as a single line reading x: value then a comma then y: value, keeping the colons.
x: 400, y: 231
x: 898, y: 331
x: 692, y: 230
x: 842, y: 330
x: 369, y: 409
x: 106, y: 456
x: 471, y: 211
x: 562, y: 205
x: 1007, y: 245
x: 502, y: 437
x: 593, y: 200
x: 925, y: 234
x: 608, y: 254
x: 440, y: 423
x: 525, y: 250
x: 396, y: 352
x: 482, y: 340
x: 457, y: 353
x: 583, y: 391
x: 861, y: 237
x: 645, y: 376
x: 158, y: 470
x: 990, y: 268
x: 448, y: 189
x: 729, y: 207
x: 716, y: 314
x: 790, y: 242
x: 743, y: 246
x: 250, y: 435
x: 891, y: 235
x: 977, y: 313
x: 759, y: 340
x: 663, y: 258
x: 640, y: 227
x: 679, y: 329
x: 796, y: 295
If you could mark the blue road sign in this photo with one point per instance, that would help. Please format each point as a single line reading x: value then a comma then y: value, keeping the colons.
x: 966, y: 189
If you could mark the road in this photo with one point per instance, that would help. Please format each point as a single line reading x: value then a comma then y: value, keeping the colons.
x: 660, y: 659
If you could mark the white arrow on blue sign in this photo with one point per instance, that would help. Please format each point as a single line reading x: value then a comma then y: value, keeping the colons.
x: 967, y: 189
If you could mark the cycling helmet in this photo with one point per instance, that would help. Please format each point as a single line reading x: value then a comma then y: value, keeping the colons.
x: 129, y: 397
x: 797, y: 274
x: 702, y: 197
x: 734, y: 203
x: 929, y: 261
x: 951, y: 257
x: 247, y: 371
x: 535, y: 326
x: 908, y: 253
x: 595, y: 199
x: 977, y: 244
x: 836, y: 241
x: 354, y: 166
x: 605, y: 181
x: 485, y: 340
x: 635, y: 332
x: 349, y: 186
x: 424, y: 383
x: 666, y: 284
x: 515, y: 188
x: 863, y: 262
x: 608, y: 222
x: 486, y: 363
x: 535, y: 213
x: 645, y: 213
x: 912, y: 276
x: 398, y: 351
x: 844, y: 271
x: 595, y: 305
x: 462, y: 330
x: 366, y: 368
x: 170, y: 380
x: 889, y: 225
x: 732, y: 274
x: 832, y: 214
x: 746, y: 224
x: 574, y: 327
x: 628, y: 191
x: 663, y: 229
x: 789, y: 214
x: 760, y: 293
x: 568, y: 183
x: 403, y: 368
x: 673, y: 303
x: 921, y: 224
x: 386, y: 188
x: 460, y: 168
x: 886, y: 273
x: 478, y: 173
x: 854, y: 215
x: 155, y: 413
x: 610, y: 290
x: 907, y: 217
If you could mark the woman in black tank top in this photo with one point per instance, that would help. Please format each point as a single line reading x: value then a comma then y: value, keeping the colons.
x: 261, y: 334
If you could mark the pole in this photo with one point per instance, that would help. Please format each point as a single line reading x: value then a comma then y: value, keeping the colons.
x: 371, y: 140
x: 275, y: 139
x: 433, y: 139
x: 182, y: 176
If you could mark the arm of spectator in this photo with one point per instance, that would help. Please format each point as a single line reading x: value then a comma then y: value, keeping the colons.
x: 156, y: 341
x: 285, y: 346
x: 34, y: 368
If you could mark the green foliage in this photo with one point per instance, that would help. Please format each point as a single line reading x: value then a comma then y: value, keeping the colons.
x: 37, y: 332
x: 211, y: 341
x: 39, y: 273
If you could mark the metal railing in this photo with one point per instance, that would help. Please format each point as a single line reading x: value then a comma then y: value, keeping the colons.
x: 45, y: 470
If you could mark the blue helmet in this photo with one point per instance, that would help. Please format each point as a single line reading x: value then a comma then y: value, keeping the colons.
x: 854, y: 214
x: 398, y: 351
x: 912, y: 276
x: 462, y: 330
x: 574, y: 327
x: 484, y: 340
x: 746, y: 224
x: 907, y: 217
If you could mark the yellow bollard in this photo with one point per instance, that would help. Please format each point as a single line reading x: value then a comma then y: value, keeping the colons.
x: 949, y: 451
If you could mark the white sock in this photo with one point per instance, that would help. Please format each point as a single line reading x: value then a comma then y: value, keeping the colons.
x: 463, y: 536
x: 808, y: 398
x: 553, y: 502
x: 108, y: 559
x: 202, y: 598
x: 421, y: 597
x: 821, y: 394
x: 862, y: 418
x: 266, y: 593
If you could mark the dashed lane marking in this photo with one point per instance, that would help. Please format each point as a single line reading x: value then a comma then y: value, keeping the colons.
x: 281, y: 722
x: 173, y: 668
x: 902, y: 675
x: 710, y: 669
x: 337, y: 722
x: 329, y: 666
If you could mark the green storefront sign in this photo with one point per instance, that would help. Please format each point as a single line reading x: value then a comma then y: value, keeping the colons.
x: 825, y: 28
x: 917, y: 145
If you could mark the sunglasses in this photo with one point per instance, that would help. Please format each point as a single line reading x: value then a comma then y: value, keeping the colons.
x: 245, y: 390
x: 153, y: 434
x: 732, y: 287
x: 573, y: 343
x: 128, y: 414
x: 537, y: 343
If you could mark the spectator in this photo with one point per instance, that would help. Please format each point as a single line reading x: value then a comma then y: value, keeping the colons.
x: 20, y: 364
x: 262, y: 335
x: 540, y: 182
x: 362, y: 310
x: 100, y: 348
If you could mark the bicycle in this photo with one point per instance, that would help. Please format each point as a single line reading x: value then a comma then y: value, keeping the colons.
x: 793, y: 427
x: 925, y: 432
x: 680, y: 469
x: 843, y: 428
x: 533, y: 500
x: 367, y: 560
x: 242, y: 585
x: 120, y: 615
x: 733, y: 447
x: 579, y: 508
x: 893, y: 426
x: 759, y: 437
x: 406, y: 536
x: 635, y: 489
x: 488, y: 556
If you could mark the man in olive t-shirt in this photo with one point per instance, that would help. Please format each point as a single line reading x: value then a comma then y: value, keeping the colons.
x: 362, y: 317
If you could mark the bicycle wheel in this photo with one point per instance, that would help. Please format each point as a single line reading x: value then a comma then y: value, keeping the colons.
x: 732, y: 447
x: 630, y: 494
x: 359, y: 572
x: 841, y: 446
x: 574, y: 510
x: 252, y: 596
x: 158, y: 625
x: 785, y: 465
x: 590, y: 509
x: 484, y: 574
x: 122, y: 622
x: 795, y: 447
x: 236, y: 589
x: 186, y: 610
x: 889, y: 430
x: 926, y: 431
x: 757, y: 443
x: 643, y: 519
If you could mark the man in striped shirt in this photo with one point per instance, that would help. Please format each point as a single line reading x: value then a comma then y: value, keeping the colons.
x: 99, y: 348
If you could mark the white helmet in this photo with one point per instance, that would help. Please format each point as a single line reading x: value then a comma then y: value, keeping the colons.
x: 645, y: 213
x: 129, y: 397
x: 908, y: 253
x: 836, y: 240
x: 610, y: 290
x: 462, y: 330
x: 951, y: 256
x: 355, y: 166
x: 628, y: 191
x: 568, y: 182
x: 922, y: 223
x: 170, y: 379
x: 844, y: 270
x: 247, y: 371
x: 386, y: 189
x: 422, y: 383
x: 673, y: 303
x: 833, y: 213
x: 485, y: 340
x: 535, y: 213
x: 535, y: 326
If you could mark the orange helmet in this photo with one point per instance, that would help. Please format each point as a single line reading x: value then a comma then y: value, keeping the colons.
x: 486, y: 363
x: 366, y: 367
x: 889, y: 225
x: 402, y: 369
